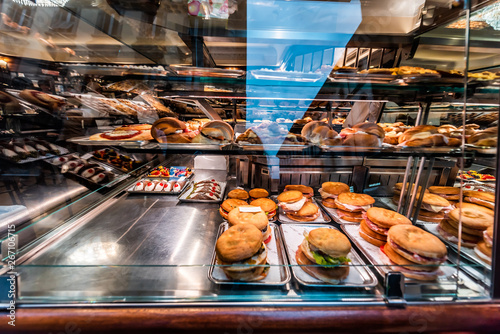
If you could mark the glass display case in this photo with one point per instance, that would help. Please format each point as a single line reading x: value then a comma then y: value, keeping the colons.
x: 235, y: 156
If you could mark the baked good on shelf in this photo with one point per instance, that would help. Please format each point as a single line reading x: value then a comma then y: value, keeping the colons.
x: 474, y: 223
x: 482, y: 198
x: 323, y: 254
x: 350, y: 206
x: 214, y: 132
x: 331, y: 138
x: 475, y: 207
x: 449, y: 193
x: 363, y: 135
x: 309, y: 212
x: 433, y: 208
x: 376, y: 224
x: 266, y: 204
x: 421, y: 135
x: 416, y: 253
x: 238, y: 194
x: 292, y: 200
x: 483, y: 248
x: 125, y: 133
x: 487, y: 137
x: 169, y: 130
x: 241, y: 253
x: 329, y: 192
x: 230, y: 204
x: 42, y: 99
x: 315, y: 131
x: 305, y: 190
x: 256, y: 193
x: 9, y: 103
x: 250, y: 214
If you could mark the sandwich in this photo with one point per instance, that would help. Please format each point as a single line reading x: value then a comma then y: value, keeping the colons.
x: 241, y: 253
x: 449, y: 193
x: 398, y: 187
x: 230, y: 204
x: 329, y: 192
x: 350, y: 206
x: 484, y: 248
x: 254, y: 215
x: 482, y: 198
x: 475, y: 207
x: 238, y: 194
x: 267, y: 205
x: 415, y: 253
x: 214, y: 132
x: 258, y: 193
x: 309, y: 212
x: 474, y: 223
x: 364, y: 135
x: 305, y: 190
x: 376, y: 224
x: 169, y: 130
x: 292, y: 200
x: 433, y: 208
x: 324, y: 255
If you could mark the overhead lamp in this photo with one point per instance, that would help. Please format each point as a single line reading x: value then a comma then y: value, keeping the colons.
x: 42, y: 3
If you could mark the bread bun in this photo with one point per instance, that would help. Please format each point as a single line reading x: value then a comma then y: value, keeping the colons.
x: 417, y: 134
x: 290, y: 196
x: 472, y: 219
x: 258, y: 193
x: 431, y: 217
x: 315, y: 131
x: 346, y: 200
x: 404, y: 262
x: 386, y: 218
x: 329, y: 203
x: 412, y: 239
x: 371, y: 236
x: 331, y: 138
x: 230, y: 204
x: 329, y: 275
x: 305, y: 190
x: 475, y: 207
x: 238, y: 242
x: 329, y: 241
x: 238, y: 194
x: 468, y: 240
x: 308, y: 212
x: 355, y: 217
x: 335, y: 188
x: 167, y: 126
x: 265, y: 204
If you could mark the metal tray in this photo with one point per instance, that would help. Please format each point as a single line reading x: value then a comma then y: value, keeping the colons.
x: 272, y: 147
x: 322, y: 219
x: 279, y: 271
x: 131, y: 190
x: 126, y: 143
x: 447, y: 281
x: 191, y: 146
x: 468, y: 253
x: 188, y: 189
x: 333, y: 213
x: 482, y: 149
x: 62, y: 150
x: 359, y: 276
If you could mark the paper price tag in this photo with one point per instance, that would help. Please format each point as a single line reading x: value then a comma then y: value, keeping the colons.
x: 250, y: 209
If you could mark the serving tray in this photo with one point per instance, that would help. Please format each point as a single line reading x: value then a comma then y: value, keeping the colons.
x: 131, y: 190
x: 187, y: 190
x: 446, y: 284
x: 279, y: 271
x: 359, y: 276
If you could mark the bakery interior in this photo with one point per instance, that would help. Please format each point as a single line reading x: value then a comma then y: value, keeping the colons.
x: 134, y: 137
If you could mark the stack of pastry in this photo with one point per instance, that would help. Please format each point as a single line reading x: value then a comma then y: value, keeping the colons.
x: 433, y: 208
x: 329, y: 192
x: 474, y: 223
x: 376, y: 224
x: 452, y: 194
x: 426, y: 136
x: 484, y: 248
x: 363, y: 135
x: 351, y: 206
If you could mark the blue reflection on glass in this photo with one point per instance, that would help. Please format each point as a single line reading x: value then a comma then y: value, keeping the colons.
x: 291, y: 48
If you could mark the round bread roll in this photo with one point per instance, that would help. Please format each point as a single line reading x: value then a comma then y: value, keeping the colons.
x: 238, y: 194
x: 412, y: 239
x: 329, y: 241
x: 436, y: 200
x: 331, y: 138
x: 305, y: 190
x: 258, y: 193
x: 330, y: 275
x: 355, y: 217
x: 258, y: 219
x: 329, y: 202
x: 362, y: 140
x: 431, y: 217
x: 166, y: 126
x: 353, y: 199
x: 371, y: 236
x: 386, y: 218
x: 308, y: 212
x: 265, y: 204
x: 335, y: 188
x: 475, y: 207
x: 414, y: 271
x: 444, y: 190
x: 290, y: 196
x: 238, y: 242
x: 484, y: 250
x: 215, y: 132
x: 465, y: 229
x: 472, y: 219
x: 314, y: 131
x: 469, y: 240
x: 418, y: 134
x: 370, y: 128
